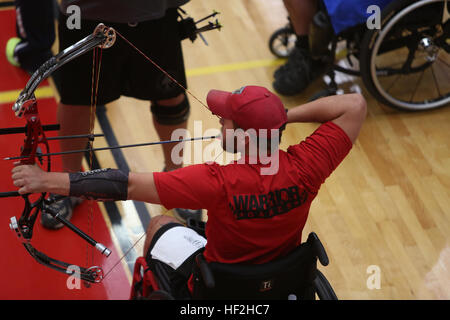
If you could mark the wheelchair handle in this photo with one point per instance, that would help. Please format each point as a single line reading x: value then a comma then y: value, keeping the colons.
x: 319, y: 249
x: 208, y: 277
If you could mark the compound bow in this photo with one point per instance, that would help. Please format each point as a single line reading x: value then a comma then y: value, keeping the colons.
x: 35, y: 138
x: 26, y: 106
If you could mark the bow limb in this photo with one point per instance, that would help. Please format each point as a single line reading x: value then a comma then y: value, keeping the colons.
x: 92, y: 274
x: 102, y: 36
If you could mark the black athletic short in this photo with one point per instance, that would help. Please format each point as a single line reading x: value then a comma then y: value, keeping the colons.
x: 123, y: 70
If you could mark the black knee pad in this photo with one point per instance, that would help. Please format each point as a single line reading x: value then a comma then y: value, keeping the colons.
x: 171, y: 115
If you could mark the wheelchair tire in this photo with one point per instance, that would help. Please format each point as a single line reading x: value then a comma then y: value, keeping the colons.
x: 282, y: 41
x: 323, y: 288
x: 371, y: 45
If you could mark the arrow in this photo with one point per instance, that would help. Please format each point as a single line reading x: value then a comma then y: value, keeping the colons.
x: 113, y: 147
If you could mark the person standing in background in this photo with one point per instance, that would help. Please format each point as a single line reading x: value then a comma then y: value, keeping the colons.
x: 153, y: 27
x: 35, y: 28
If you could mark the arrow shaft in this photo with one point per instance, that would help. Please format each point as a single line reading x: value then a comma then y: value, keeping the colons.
x: 114, y: 147
x: 76, y: 136
x: 207, y: 17
x: 14, y: 130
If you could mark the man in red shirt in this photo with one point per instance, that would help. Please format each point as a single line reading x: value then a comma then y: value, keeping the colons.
x: 252, y: 217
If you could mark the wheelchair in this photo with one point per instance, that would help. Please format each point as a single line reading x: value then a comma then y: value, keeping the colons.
x: 293, y: 277
x: 405, y: 64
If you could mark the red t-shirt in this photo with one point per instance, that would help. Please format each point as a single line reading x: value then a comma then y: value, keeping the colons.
x: 256, y: 218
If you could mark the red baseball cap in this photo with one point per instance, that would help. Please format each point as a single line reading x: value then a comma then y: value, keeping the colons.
x: 251, y: 107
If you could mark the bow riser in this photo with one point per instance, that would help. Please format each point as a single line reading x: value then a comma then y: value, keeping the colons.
x: 35, y: 137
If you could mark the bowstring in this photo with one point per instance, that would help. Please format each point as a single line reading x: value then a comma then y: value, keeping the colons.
x: 96, y: 67
x: 186, y: 90
x: 162, y: 70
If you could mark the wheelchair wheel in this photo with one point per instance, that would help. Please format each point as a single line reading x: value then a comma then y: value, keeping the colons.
x: 406, y: 63
x: 282, y: 41
x: 323, y: 288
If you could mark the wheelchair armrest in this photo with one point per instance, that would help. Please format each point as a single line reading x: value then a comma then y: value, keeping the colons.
x: 318, y: 248
x: 197, y: 226
x: 207, y: 275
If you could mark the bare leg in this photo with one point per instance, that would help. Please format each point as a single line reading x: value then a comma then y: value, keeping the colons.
x: 154, y: 225
x: 165, y: 131
x: 301, y: 13
x: 300, y: 69
x: 73, y: 120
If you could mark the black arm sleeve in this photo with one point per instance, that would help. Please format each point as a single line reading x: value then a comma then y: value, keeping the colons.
x: 100, y: 184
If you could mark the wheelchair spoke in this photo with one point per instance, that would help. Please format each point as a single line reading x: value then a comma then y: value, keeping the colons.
x: 440, y: 59
x: 446, y: 73
x: 401, y: 59
x: 417, y: 85
x: 435, y: 81
x: 390, y: 70
x: 393, y: 82
x: 394, y: 76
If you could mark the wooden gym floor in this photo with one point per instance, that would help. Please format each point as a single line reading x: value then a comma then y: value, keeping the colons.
x: 386, y: 208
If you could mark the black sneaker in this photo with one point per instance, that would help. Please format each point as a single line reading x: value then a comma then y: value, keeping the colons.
x: 184, y: 214
x: 65, y: 208
x: 298, y: 72
x: 298, y: 53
